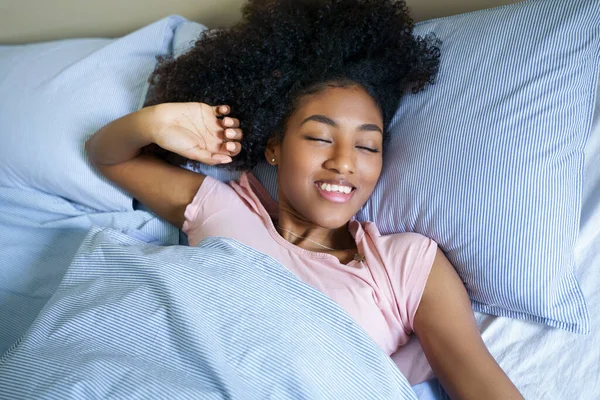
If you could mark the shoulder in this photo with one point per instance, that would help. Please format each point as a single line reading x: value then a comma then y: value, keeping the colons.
x: 215, y: 196
x: 215, y: 191
x: 224, y: 194
x: 371, y: 229
x: 410, y: 246
x: 407, y: 259
x: 225, y: 209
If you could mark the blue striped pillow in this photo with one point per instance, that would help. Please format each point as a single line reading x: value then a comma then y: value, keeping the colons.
x: 488, y: 162
x: 54, y: 95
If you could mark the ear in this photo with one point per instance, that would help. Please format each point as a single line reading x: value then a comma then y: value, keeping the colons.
x: 273, y: 150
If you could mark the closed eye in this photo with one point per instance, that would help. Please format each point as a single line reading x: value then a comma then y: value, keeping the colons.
x: 368, y: 149
x: 314, y: 139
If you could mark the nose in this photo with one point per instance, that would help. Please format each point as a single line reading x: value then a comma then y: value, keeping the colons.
x: 341, y: 160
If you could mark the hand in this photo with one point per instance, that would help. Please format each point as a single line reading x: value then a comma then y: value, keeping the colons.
x: 195, y: 131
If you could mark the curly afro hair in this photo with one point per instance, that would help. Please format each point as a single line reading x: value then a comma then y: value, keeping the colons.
x: 285, y: 49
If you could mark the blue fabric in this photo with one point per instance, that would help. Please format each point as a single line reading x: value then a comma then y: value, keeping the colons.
x: 430, y: 390
x: 488, y: 162
x: 54, y: 95
x: 40, y: 234
x: 221, y: 320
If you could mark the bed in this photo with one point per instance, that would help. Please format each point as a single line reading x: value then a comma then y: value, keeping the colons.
x: 99, y: 298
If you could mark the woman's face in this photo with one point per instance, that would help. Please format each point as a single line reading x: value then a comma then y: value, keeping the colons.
x: 330, y: 157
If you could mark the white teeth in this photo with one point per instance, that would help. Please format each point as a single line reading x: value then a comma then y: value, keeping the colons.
x: 335, y: 188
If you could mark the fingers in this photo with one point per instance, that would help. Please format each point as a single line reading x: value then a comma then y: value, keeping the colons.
x: 231, y: 148
x: 206, y: 157
x: 220, y: 159
x: 229, y: 122
x: 221, y: 110
x: 233, y: 134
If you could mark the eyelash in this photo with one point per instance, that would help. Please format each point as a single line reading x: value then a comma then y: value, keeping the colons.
x: 370, y: 150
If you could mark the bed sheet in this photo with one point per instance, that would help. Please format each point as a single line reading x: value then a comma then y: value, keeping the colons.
x: 40, y: 233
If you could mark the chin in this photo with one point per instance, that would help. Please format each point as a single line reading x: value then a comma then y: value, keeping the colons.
x: 330, y: 221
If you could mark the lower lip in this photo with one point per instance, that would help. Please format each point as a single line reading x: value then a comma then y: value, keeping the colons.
x: 335, y: 197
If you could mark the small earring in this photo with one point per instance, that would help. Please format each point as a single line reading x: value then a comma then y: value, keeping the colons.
x: 273, y: 160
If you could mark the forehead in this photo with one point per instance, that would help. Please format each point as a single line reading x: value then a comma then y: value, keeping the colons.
x: 344, y: 103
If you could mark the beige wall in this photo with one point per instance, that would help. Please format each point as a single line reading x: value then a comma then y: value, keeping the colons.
x: 23, y: 21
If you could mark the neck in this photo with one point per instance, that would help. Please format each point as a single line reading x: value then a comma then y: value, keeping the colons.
x: 313, y: 237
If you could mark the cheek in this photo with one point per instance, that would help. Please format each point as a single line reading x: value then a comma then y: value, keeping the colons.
x: 371, y: 169
x: 370, y: 173
x: 295, y: 170
x: 298, y: 158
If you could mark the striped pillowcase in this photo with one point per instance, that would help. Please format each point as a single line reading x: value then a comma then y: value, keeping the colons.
x: 488, y: 162
x: 75, y: 86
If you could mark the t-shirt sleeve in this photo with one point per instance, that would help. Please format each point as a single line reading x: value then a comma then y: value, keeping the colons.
x: 409, y: 264
x: 214, y: 206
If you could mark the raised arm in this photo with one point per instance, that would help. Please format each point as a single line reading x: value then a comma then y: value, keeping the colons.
x: 446, y: 328
x: 192, y: 130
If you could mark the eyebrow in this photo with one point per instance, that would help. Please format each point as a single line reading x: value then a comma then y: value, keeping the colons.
x: 328, y: 121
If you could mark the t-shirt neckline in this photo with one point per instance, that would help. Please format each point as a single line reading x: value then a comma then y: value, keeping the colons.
x: 249, y: 181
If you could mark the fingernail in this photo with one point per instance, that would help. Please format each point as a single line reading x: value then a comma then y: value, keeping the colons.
x: 226, y: 160
x: 230, y: 146
x: 230, y: 134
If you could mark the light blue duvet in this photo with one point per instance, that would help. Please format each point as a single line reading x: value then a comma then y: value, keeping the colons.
x: 217, y: 321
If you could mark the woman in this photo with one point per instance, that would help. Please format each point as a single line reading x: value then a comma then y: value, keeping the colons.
x: 314, y: 85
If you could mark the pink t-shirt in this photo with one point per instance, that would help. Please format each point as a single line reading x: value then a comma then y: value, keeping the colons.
x: 381, y: 293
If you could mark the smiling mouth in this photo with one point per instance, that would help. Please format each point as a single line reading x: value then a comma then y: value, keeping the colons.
x: 335, y: 193
x: 335, y: 188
